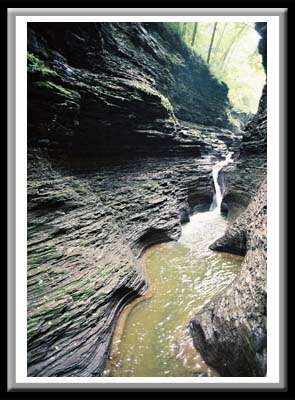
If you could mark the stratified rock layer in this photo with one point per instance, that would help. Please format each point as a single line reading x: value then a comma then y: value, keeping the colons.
x: 230, y: 331
x: 115, y: 88
x: 112, y: 169
x: 103, y: 100
x: 254, y: 138
x: 88, y: 223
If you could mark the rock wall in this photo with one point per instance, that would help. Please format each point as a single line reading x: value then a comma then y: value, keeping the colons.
x: 254, y: 138
x: 99, y: 110
x: 89, y: 221
x: 230, y: 331
x: 115, y: 88
x: 88, y: 224
x: 112, y: 169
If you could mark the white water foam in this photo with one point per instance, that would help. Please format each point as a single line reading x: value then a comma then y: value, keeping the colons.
x: 219, y: 190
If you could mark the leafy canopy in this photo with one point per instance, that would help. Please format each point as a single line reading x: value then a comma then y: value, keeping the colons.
x: 234, y: 58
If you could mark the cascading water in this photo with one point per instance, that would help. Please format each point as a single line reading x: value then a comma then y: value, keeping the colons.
x: 153, y: 339
x: 219, y: 189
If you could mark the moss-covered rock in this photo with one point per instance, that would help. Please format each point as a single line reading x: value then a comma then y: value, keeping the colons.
x: 108, y: 87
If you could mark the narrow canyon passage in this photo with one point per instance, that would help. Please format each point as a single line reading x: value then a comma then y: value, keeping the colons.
x: 182, y: 276
x: 125, y: 124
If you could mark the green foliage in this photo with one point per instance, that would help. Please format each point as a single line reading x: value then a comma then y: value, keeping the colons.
x: 35, y: 65
x: 166, y: 103
x: 234, y: 58
x: 255, y: 60
x: 53, y: 86
x: 153, y: 92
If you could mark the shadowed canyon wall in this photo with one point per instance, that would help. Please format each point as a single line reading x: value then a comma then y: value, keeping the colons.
x: 121, y: 142
x: 117, y: 88
x: 230, y: 331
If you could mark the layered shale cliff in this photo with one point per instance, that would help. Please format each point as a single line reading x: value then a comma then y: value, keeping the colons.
x: 99, y: 110
x: 122, y: 137
x: 116, y: 88
x: 230, y: 331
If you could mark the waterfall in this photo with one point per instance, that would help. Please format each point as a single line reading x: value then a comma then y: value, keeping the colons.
x: 219, y: 189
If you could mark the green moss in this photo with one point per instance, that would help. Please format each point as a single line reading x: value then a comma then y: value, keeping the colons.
x: 35, y: 65
x: 153, y: 92
x: 166, y: 103
x: 53, y: 86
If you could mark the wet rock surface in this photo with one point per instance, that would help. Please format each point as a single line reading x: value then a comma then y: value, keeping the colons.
x: 114, y: 88
x: 121, y: 147
x: 230, y: 331
x: 104, y: 100
x: 254, y: 137
x: 88, y: 223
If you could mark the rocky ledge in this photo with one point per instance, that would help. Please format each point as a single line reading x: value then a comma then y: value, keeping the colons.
x: 230, y: 331
x: 118, y: 88
x: 88, y: 223
x: 107, y: 105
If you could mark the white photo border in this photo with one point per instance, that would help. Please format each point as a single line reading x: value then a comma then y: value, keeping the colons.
x: 18, y: 365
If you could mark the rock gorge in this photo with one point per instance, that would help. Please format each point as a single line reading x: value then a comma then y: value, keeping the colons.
x: 231, y: 331
x: 124, y: 123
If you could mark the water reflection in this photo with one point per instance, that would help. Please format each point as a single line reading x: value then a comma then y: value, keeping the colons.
x: 183, y: 276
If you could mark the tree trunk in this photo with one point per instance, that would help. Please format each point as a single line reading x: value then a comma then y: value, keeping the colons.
x: 211, y: 42
x: 194, y: 34
x: 220, y: 38
x: 225, y: 64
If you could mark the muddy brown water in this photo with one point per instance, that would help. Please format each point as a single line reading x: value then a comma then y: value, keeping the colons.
x: 152, y: 338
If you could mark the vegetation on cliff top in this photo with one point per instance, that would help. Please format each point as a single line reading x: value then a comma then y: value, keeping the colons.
x: 230, y: 50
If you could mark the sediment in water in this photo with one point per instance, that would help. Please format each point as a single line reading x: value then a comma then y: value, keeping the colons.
x: 156, y: 328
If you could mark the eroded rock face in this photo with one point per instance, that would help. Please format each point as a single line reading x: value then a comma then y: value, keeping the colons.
x: 88, y: 223
x: 114, y: 88
x: 111, y: 170
x: 254, y: 138
x: 230, y: 331
x: 103, y: 100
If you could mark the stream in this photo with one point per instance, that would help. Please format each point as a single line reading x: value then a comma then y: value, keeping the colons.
x: 152, y: 338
